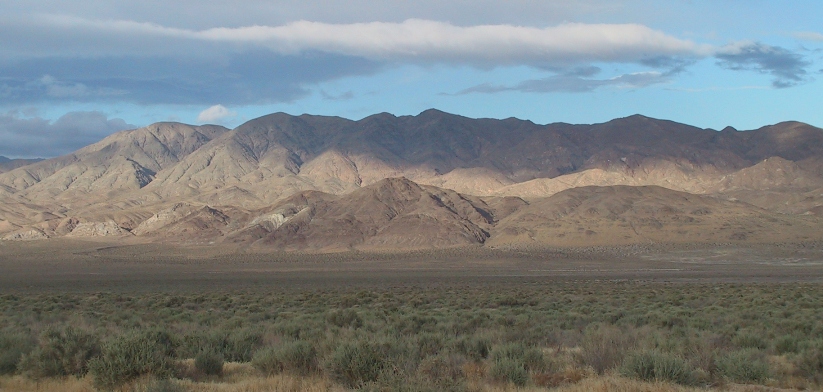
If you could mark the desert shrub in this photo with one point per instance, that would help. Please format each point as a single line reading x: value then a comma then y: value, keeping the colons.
x: 810, y: 362
x: 199, y: 341
x: 354, y: 364
x: 604, y: 347
x: 12, y: 348
x: 429, y: 344
x: 786, y: 344
x: 209, y: 362
x: 133, y: 355
x: 241, y: 345
x: 505, y: 369
x: 743, y: 366
x: 750, y: 340
x: 237, y: 346
x: 657, y: 366
x: 345, y: 318
x: 512, y: 362
x: 443, y: 369
x: 474, y: 347
x: 536, y: 361
x: 299, y: 357
x: 60, y: 352
x: 151, y: 384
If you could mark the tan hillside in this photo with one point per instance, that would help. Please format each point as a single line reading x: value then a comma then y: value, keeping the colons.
x: 625, y: 215
x: 125, y: 161
x: 225, y: 179
x: 393, y: 213
x: 7, y: 164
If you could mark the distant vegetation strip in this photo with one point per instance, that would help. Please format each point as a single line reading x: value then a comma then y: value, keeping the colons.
x: 449, y: 338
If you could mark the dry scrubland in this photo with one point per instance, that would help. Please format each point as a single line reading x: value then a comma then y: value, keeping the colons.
x: 574, y: 336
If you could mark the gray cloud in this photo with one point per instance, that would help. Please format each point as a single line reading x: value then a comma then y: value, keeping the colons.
x: 199, y: 14
x: 339, y: 97
x: 573, y: 83
x: 250, y: 77
x: 787, y: 68
x: 199, y: 53
x: 23, y: 136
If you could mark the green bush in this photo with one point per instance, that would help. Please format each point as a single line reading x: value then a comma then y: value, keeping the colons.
x: 512, y: 362
x: 429, y: 344
x: 474, y: 348
x: 744, y: 366
x: 810, y: 363
x: 750, y: 340
x: 298, y: 357
x: 241, y: 345
x: 658, y: 366
x: 237, y: 346
x: 157, y: 385
x: 786, y: 344
x: 345, y: 318
x: 12, y: 349
x: 60, y: 352
x: 604, y: 347
x: 133, y: 355
x: 443, y: 369
x: 209, y: 362
x: 506, y: 369
x: 358, y: 363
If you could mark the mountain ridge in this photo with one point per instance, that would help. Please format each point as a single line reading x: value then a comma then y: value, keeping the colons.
x: 130, y: 177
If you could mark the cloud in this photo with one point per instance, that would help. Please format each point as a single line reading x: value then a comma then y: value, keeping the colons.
x: 339, y: 97
x: 413, y: 39
x: 787, y: 68
x: 215, y: 114
x: 808, y: 36
x: 251, y: 77
x: 24, y: 136
x: 573, y: 83
x: 59, y: 58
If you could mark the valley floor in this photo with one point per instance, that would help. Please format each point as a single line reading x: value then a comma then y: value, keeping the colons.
x: 637, y: 318
x: 73, y: 265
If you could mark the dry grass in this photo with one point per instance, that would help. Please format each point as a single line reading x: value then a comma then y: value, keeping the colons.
x: 620, y: 384
x: 240, y: 378
x: 279, y: 383
x: 22, y: 384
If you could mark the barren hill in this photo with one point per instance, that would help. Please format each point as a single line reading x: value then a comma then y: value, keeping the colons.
x: 125, y: 161
x: 186, y: 183
x: 7, y: 164
x: 646, y: 214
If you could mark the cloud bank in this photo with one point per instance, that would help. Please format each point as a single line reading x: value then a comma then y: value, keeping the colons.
x: 23, y: 136
x: 787, y: 68
x: 413, y: 39
x: 66, y: 58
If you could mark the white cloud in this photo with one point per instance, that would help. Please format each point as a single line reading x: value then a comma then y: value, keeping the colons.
x: 808, y: 36
x: 426, y: 40
x: 215, y: 114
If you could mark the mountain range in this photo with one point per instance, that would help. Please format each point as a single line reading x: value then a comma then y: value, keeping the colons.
x: 433, y: 180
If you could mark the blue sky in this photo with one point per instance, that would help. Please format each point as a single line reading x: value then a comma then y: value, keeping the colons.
x: 72, y: 72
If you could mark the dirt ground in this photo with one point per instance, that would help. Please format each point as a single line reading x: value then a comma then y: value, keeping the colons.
x: 72, y: 265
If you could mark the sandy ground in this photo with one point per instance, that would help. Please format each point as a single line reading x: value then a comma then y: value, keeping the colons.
x: 64, y: 265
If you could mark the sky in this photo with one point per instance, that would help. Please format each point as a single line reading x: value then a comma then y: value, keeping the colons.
x: 73, y: 72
